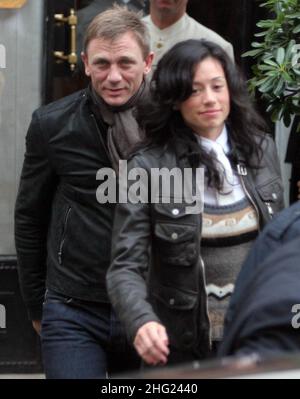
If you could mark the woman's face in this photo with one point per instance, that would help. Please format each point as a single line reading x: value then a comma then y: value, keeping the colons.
x: 206, y: 110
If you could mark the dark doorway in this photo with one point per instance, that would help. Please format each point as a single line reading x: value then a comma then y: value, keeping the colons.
x: 235, y: 20
x: 20, y: 346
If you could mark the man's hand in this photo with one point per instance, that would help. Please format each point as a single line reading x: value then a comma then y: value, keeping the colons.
x: 37, y: 326
x: 151, y: 342
x: 298, y: 185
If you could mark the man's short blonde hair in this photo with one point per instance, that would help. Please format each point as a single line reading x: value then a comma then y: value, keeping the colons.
x: 117, y: 21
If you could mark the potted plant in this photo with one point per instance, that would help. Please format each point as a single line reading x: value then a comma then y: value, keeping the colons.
x: 276, y: 73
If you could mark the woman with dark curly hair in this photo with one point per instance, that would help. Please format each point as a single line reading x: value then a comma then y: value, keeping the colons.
x: 199, y: 116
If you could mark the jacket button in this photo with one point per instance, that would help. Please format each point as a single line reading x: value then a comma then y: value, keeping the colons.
x: 172, y: 301
x: 175, y: 211
x: 191, y: 255
x: 174, y: 236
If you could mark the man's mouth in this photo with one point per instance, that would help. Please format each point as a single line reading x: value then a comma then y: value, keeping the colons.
x: 115, y: 90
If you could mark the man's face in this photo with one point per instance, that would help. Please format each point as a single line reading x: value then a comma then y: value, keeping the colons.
x: 116, y: 68
x: 169, y: 6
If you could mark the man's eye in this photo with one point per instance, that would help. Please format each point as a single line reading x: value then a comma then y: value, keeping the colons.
x: 126, y: 63
x: 102, y: 64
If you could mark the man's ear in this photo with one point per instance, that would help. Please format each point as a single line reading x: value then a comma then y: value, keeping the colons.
x: 84, y: 58
x: 148, y: 63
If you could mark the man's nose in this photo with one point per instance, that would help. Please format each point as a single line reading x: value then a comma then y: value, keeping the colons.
x: 114, y: 74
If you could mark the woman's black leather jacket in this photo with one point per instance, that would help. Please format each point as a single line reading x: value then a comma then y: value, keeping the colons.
x: 157, y: 273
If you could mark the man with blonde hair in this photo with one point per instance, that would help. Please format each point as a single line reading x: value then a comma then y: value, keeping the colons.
x: 62, y: 234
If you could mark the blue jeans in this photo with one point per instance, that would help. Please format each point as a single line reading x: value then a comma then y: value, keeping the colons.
x: 83, y: 340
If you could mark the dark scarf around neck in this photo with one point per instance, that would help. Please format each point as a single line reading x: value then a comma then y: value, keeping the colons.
x: 123, y: 132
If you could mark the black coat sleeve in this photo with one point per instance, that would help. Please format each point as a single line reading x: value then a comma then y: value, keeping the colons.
x: 131, y: 249
x: 32, y: 214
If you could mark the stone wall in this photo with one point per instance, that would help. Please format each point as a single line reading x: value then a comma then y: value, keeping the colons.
x: 20, y: 87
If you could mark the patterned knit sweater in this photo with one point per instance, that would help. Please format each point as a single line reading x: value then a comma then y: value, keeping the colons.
x: 227, y: 234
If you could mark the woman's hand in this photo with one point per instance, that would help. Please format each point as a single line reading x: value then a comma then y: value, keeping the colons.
x: 151, y: 342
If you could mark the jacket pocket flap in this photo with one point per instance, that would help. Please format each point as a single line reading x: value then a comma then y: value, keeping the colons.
x: 173, y: 232
x: 175, y: 298
x: 270, y: 191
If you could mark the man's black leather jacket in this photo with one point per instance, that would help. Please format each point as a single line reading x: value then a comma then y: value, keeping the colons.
x: 62, y: 233
x: 162, y: 241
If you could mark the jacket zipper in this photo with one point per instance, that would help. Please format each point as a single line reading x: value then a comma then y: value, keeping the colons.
x: 63, y: 238
x: 206, y: 302
x: 242, y: 171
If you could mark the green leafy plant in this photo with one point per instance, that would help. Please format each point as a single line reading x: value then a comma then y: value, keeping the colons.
x: 276, y: 73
